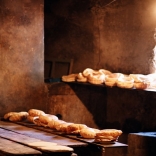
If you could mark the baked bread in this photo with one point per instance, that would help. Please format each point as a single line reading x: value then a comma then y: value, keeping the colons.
x: 125, y: 82
x: 75, y: 128
x: 69, y: 78
x: 81, y: 78
x: 97, y: 78
x: 32, y: 118
x: 58, y: 123
x: 88, y: 133
x: 55, y: 124
x: 111, y: 79
x: 63, y: 127
x: 16, y: 117
x: 47, y: 118
x: 107, y: 135
x: 88, y: 71
x: 104, y: 71
x: 35, y: 112
x: 7, y: 115
x: 140, y: 81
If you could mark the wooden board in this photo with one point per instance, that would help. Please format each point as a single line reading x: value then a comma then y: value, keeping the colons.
x: 12, y: 148
x: 88, y: 141
x: 41, y: 135
x: 32, y: 142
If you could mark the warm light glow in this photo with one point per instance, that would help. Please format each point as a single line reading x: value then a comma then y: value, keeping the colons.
x: 154, y: 10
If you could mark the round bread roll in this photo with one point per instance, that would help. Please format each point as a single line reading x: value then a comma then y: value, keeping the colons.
x: 75, y: 128
x: 88, y: 133
x: 32, y: 118
x: 35, y: 112
x: 20, y: 116
x: 63, y: 127
x: 138, y: 77
x: 88, y: 71
x: 111, y: 79
x: 140, y: 81
x: 58, y: 123
x: 69, y: 78
x: 125, y: 82
x: 47, y: 118
x: 8, y: 115
x: 106, y: 72
x: 111, y: 134
x: 141, y: 85
x: 37, y: 122
x: 81, y: 78
x: 97, y: 78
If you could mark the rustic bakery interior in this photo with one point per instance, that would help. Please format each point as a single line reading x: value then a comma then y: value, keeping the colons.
x: 78, y: 78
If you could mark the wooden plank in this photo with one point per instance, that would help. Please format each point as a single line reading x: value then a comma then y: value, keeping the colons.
x: 88, y: 141
x: 42, y: 135
x: 32, y: 142
x: 12, y: 148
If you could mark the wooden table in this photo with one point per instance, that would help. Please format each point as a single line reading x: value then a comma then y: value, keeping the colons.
x: 17, y: 137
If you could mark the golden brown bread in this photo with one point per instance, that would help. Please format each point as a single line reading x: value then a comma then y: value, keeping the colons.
x: 16, y: 117
x: 69, y: 78
x: 46, y: 118
x: 75, y: 128
x: 32, y: 118
x: 125, y: 82
x: 81, y: 78
x: 111, y: 79
x: 89, y: 133
x: 55, y: 124
x: 58, y: 123
x: 108, y: 135
x: 7, y: 115
x: 63, y: 126
x: 35, y: 112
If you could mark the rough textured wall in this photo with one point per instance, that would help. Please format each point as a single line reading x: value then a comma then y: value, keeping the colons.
x: 99, y: 34
x: 21, y: 55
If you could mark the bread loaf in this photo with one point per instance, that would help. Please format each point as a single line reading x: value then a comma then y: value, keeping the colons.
x: 75, y: 128
x: 35, y: 112
x: 125, y: 82
x: 89, y: 133
x: 107, y: 135
x: 69, y: 78
x: 46, y: 118
x: 111, y: 79
x: 81, y: 78
x: 7, y: 115
x: 16, y: 117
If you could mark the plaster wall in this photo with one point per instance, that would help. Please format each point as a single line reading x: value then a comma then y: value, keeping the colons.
x: 21, y: 55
